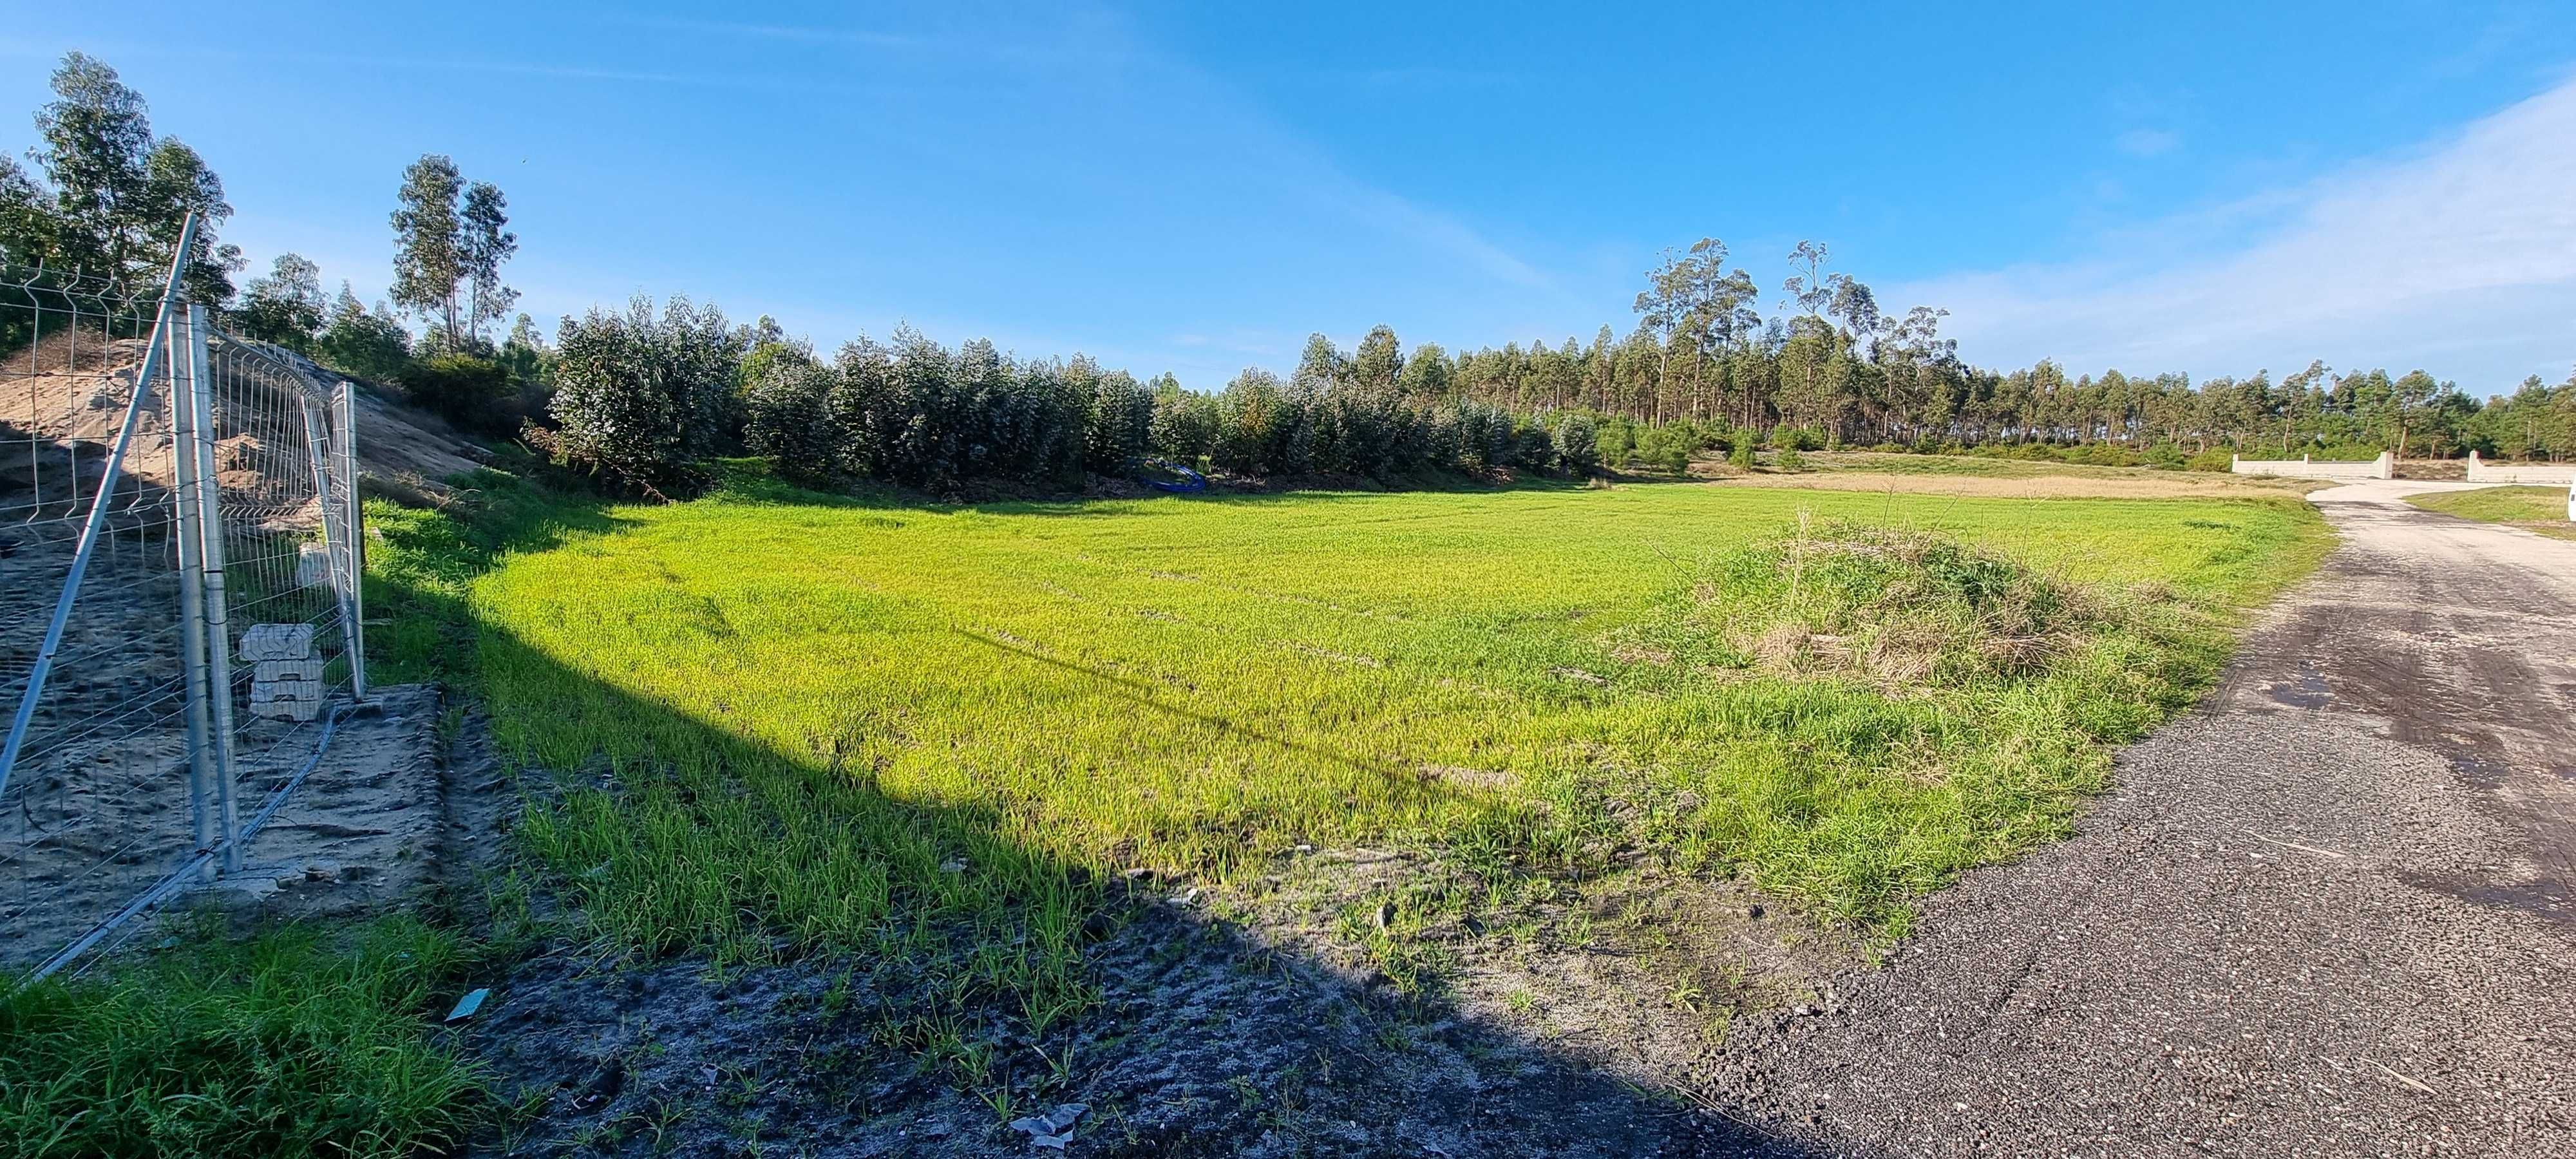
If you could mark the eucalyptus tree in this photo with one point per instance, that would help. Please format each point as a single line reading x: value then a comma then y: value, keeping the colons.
x: 450, y: 241
x: 114, y: 198
x: 484, y: 242
x: 429, y: 257
x: 1428, y: 375
x: 285, y: 305
x: 1692, y: 303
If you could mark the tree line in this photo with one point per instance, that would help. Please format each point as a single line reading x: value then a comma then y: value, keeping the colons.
x: 640, y: 395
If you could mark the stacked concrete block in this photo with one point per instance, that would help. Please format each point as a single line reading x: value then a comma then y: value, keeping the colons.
x: 286, y: 675
x: 312, y: 565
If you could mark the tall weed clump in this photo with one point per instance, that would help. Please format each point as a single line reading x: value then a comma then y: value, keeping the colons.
x: 1907, y: 705
x: 292, y: 1044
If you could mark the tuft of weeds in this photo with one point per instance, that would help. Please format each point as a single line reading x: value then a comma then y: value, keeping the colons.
x: 1906, y: 608
x: 296, y: 1042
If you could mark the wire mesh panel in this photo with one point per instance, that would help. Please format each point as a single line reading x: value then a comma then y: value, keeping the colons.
x: 287, y: 562
x: 179, y: 623
x: 95, y: 806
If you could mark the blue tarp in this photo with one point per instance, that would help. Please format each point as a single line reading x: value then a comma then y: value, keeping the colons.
x: 1189, y: 480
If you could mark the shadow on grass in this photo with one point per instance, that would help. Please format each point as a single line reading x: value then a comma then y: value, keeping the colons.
x: 758, y: 948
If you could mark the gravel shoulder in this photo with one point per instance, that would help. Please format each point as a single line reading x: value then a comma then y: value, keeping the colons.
x: 2331, y: 913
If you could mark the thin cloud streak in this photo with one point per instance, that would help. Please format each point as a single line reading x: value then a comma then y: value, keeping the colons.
x: 2148, y: 142
x: 806, y: 34
x: 2465, y: 249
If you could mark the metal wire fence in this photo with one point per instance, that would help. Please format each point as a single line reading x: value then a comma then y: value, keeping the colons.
x: 179, y: 556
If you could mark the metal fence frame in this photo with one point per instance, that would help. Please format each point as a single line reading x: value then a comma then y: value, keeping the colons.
x: 205, y: 427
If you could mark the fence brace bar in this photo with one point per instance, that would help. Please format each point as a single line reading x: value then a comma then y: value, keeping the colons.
x: 162, y: 318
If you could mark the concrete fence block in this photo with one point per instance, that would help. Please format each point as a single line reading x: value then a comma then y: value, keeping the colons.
x: 276, y: 642
x: 309, y: 668
x: 299, y: 711
x: 2306, y: 467
x: 263, y: 691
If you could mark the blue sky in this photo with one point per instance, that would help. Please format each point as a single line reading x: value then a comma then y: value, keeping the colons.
x: 2211, y: 188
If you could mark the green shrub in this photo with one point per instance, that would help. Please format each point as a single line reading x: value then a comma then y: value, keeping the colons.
x: 472, y: 392
x: 642, y: 398
x: 787, y: 415
x: 1578, y: 444
x: 1789, y: 459
x: 1741, y: 458
x: 1797, y: 439
x: 2213, y: 459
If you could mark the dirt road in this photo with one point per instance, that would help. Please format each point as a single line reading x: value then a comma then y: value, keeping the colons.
x: 2331, y: 913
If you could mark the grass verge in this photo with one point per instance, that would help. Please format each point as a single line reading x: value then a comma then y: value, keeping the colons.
x: 294, y: 1043
x: 2540, y: 509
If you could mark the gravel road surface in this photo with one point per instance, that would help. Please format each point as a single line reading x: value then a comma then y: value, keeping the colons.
x: 2332, y: 913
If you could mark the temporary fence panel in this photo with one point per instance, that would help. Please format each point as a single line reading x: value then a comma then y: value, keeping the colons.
x: 179, y: 560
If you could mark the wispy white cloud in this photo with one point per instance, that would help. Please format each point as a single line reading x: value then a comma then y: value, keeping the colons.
x: 808, y: 34
x: 2148, y: 142
x: 2459, y: 255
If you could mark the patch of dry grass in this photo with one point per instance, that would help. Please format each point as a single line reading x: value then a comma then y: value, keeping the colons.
x: 2090, y: 483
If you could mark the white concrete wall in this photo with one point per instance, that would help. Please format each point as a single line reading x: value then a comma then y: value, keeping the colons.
x: 2544, y: 474
x: 2383, y: 467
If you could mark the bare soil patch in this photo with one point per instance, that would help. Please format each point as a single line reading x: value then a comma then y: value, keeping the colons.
x: 72, y: 389
x: 1210, y: 1037
x: 375, y: 825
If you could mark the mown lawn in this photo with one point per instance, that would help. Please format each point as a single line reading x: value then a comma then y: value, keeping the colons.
x: 2541, y: 509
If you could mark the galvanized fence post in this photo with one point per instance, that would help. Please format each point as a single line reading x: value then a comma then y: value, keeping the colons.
x: 185, y: 432
x: 219, y: 650
x: 353, y: 603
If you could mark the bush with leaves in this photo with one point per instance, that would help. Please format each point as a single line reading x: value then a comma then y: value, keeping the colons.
x: 641, y: 398
x: 1798, y: 439
x: 1578, y: 444
x: 1185, y: 423
x: 471, y: 391
x: 788, y: 416
x: 1118, y: 415
x: 367, y: 345
x: 285, y: 306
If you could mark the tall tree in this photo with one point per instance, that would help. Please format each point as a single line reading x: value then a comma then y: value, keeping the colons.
x: 429, y: 244
x: 1807, y: 286
x: 1695, y: 306
x: 1379, y: 360
x: 285, y: 305
x: 483, y: 244
x: 1322, y: 364
x: 120, y: 197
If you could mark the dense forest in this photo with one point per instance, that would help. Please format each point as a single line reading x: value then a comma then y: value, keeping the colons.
x: 641, y: 395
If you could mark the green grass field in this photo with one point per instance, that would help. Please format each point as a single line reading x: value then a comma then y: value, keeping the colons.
x: 792, y: 720
x: 2541, y: 509
x: 920, y: 740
